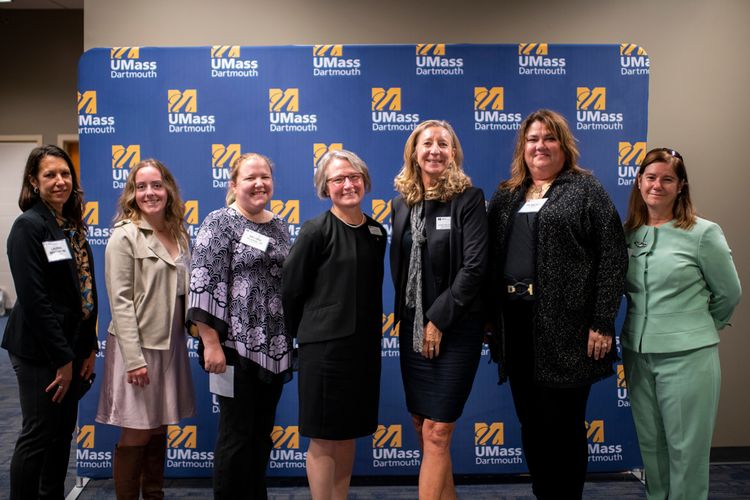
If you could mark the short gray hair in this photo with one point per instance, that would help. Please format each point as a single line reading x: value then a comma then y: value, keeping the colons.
x: 320, y: 178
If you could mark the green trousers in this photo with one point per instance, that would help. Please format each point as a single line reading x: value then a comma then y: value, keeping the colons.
x: 674, y: 398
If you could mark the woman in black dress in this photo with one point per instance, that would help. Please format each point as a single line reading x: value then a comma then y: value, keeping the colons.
x: 332, y: 296
x: 438, y: 260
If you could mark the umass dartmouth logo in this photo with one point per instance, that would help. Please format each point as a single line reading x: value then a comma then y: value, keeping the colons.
x: 387, y: 112
x: 432, y: 61
x: 283, y: 112
x: 329, y: 60
x: 289, y: 211
x: 489, y: 445
x: 124, y: 158
x: 90, y: 122
x: 633, y: 60
x: 390, y: 342
x: 388, y: 451
x: 285, y: 453
x: 591, y: 106
x: 489, y: 110
x: 126, y: 62
x: 222, y: 157
x: 227, y: 62
x: 86, y: 454
x: 182, y: 444
x: 182, y: 111
x: 96, y: 235
x: 381, y: 212
x: 320, y: 149
x: 192, y: 218
x: 622, y: 388
x: 629, y: 157
x: 599, y: 450
x: 535, y: 59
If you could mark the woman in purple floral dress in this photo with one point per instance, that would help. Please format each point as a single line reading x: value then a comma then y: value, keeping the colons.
x: 235, y: 304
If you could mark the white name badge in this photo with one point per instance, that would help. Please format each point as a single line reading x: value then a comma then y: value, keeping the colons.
x: 222, y: 384
x: 255, y: 239
x: 443, y: 223
x: 375, y: 230
x: 56, y: 250
x: 532, y: 206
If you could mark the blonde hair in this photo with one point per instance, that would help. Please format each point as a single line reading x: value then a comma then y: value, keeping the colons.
x: 558, y: 127
x: 174, y: 212
x: 453, y: 182
x: 234, y: 171
x: 320, y: 179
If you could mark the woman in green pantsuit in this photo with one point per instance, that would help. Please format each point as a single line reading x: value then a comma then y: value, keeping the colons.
x: 682, y: 288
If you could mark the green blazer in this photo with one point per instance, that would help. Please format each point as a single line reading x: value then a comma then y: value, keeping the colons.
x: 682, y: 287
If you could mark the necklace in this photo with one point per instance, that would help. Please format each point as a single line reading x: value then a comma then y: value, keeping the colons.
x: 536, y: 192
x: 350, y: 225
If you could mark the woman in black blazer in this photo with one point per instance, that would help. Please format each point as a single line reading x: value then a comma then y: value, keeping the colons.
x: 438, y: 260
x: 332, y: 295
x: 51, y: 333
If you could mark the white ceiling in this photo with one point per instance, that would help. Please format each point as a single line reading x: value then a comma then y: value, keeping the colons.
x: 42, y: 4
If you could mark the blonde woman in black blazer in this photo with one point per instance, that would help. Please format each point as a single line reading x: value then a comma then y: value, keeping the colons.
x: 51, y: 333
x: 438, y: 261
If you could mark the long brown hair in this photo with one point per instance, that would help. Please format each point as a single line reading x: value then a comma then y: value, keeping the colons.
x: 174, y: 212
x: 72, y: 210
x: 682, y: 209
x: 453, y: 182
x: 558, y: 127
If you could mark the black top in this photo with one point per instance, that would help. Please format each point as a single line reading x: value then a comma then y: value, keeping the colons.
x: 519, y: 265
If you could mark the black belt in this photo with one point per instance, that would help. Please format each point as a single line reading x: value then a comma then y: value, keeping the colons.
x: 523, y: 289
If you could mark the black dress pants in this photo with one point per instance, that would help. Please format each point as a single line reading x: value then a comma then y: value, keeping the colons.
x: 244, y: 443
x: 40, y: 459
x: 553, y: 426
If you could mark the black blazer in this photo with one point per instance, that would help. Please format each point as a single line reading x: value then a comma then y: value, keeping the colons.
x: 458, y: 256
x: 318, y: 286
x: 45, y: 325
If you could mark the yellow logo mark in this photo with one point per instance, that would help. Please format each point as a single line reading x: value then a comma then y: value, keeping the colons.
x: 91, y: 213
x: 126, y: 156
x: 381, y: 210
x: 595, y: 98
x: 621, y: 382
x: 87, y: 102
x: 328, y: 50
x: 223, y: 155
x: 595, y: 431
x: 288, y: 210
x: 386, y: 97
x: 537, y: 49
x: 85, y: 436
x: 182, y: 101
x: 631, y: 49
x: 430, y: 49
x: 125, y: 52
x: 319, y: 149
x: 489, y: 434
x: 631, y: 153
x: 389, y: 329
x: 218, y: 51
x: 494, y: 97
x: 185, y: 437
x: 390, y: 436
x: 283, y: 100
x: 191, y: 212
x: 285, y: 437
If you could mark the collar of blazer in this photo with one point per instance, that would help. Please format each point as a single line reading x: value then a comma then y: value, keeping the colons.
x: 57, y: 234
x: 150, y: 239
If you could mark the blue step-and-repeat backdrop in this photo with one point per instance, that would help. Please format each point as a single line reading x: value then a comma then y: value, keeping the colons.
x: 197, y: 108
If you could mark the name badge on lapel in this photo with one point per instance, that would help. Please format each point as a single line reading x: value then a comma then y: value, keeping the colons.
x: 374, y: 230
x: 532, y: 206
x: 56, y: 250
x: 443, y: 223
x: 255, y: 239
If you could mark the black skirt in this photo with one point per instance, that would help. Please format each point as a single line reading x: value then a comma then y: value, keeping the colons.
x: 438, y: 388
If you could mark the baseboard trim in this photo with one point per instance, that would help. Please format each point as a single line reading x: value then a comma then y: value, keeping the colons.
x: 730, y: 454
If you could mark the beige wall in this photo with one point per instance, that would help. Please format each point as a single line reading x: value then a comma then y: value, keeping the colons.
x: 699, y: 60
x: 40, y: 51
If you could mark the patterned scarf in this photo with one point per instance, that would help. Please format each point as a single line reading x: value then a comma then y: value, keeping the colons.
x: 77, y: 240
x: 414, y: 280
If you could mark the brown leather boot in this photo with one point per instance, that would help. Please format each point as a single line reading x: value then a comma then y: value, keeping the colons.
x: 127, y: 471
x: 152, y: 473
